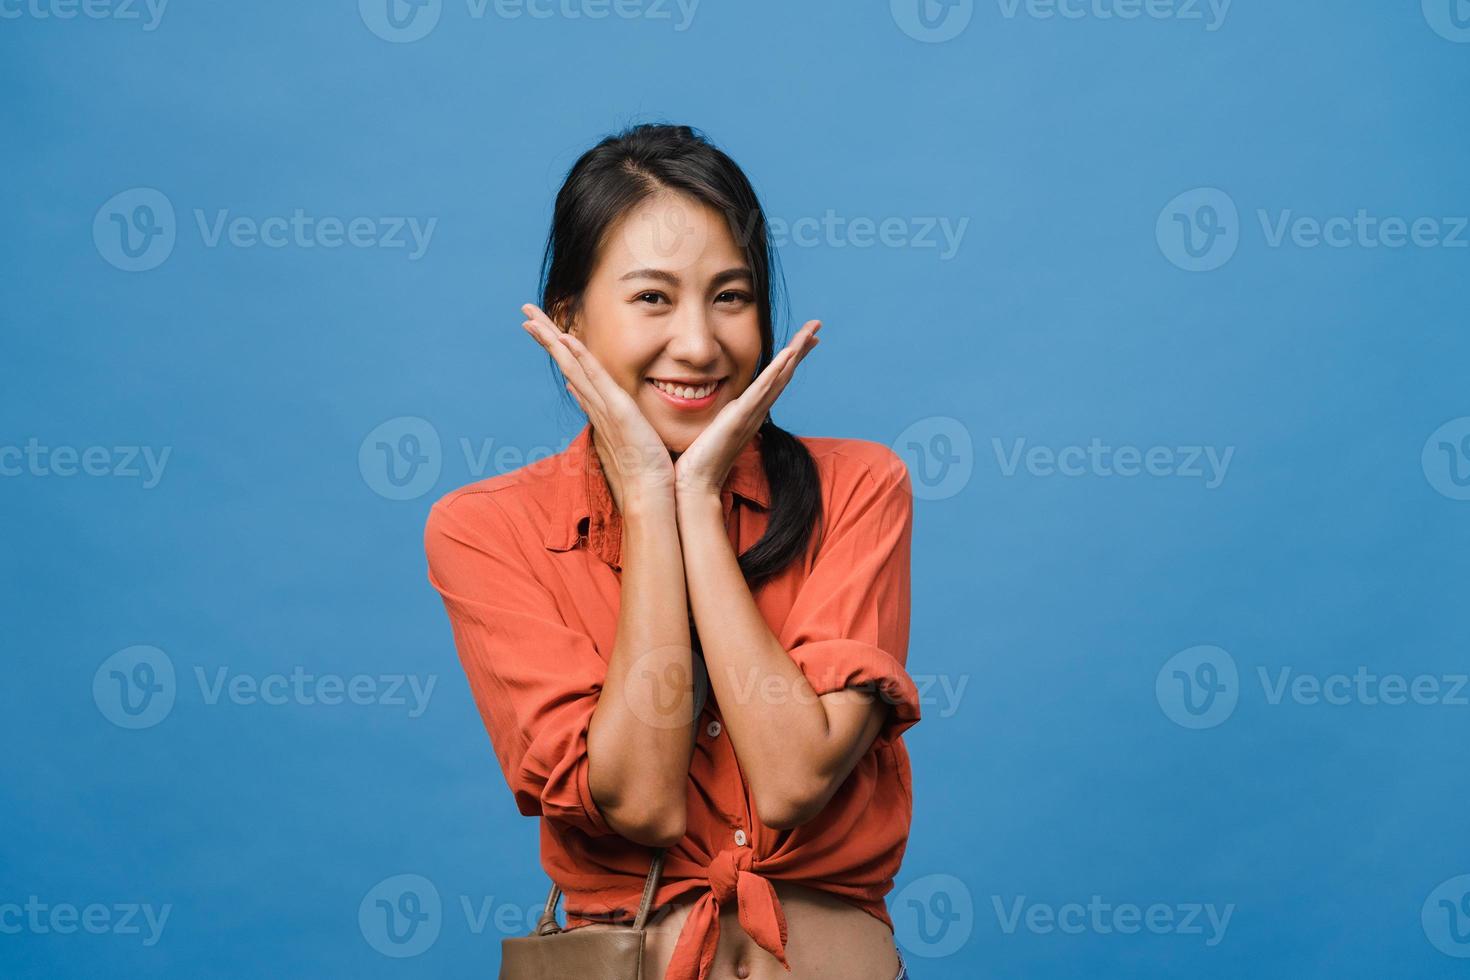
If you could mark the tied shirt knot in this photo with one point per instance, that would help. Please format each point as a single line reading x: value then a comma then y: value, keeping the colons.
x: 732, y: 878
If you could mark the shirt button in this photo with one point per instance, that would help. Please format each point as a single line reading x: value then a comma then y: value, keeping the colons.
x: 739, y: 838
x: 713, y: 728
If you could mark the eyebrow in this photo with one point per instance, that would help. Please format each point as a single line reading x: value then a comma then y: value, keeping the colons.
x: 720, y: 278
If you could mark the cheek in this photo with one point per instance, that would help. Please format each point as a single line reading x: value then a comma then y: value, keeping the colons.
x: 745, y: 348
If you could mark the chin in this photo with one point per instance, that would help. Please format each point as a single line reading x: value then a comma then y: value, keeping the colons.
x: 677, y: 439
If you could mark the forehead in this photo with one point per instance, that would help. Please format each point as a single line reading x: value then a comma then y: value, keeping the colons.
x: 672, y: 232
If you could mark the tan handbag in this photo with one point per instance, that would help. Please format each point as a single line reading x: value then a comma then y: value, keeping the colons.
x: 553, y: 953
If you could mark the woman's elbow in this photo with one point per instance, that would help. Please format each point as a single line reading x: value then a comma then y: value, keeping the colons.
x: 791, y: 807
x: 650, y: 828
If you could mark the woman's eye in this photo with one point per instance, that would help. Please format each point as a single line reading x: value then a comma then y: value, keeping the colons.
x: 733, y: 296
x: 649, y: 297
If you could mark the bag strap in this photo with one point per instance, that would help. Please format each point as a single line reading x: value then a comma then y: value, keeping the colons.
x: 547, y: 924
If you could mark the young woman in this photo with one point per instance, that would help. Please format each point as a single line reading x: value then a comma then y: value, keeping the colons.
x: 689, y: 629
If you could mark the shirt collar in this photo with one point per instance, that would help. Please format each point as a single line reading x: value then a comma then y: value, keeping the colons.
x: 580, y: 493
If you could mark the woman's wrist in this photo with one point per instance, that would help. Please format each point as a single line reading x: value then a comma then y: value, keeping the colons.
x: 694, y: 498
x: 647, y: 500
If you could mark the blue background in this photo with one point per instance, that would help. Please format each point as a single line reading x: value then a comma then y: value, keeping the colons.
x: 1059, y: 772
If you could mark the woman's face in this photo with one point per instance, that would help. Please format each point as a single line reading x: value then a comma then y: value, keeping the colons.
x: 671, y: 301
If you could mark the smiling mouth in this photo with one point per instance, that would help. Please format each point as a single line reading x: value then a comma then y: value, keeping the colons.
x: 687, y: 392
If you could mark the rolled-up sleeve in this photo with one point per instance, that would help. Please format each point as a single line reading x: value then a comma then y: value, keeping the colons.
x: 849, y: 625
x: 534, y: 679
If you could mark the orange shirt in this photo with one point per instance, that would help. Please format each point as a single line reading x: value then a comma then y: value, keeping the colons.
x: 528, y: 564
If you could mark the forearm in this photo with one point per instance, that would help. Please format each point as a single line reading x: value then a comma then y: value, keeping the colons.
x: 640, y: 738
x: 778, y: 726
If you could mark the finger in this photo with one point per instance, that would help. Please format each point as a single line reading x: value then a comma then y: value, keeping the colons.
x: 772, y: 381
x: 549, y: 337
x: 592, y: 370
x: 596, y: 375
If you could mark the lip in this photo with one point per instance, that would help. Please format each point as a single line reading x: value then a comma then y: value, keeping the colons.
x: 687, y: 404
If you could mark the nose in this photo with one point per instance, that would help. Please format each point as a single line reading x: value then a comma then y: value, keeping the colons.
x: 693, y: 339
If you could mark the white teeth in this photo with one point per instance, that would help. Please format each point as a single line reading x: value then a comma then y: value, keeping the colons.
x: 684, y: 391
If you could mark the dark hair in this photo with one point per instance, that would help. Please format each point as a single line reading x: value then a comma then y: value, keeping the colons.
x: 606, y: 183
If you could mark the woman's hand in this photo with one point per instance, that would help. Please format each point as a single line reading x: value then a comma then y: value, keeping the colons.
x: 633, y: 455
x: 703, y: 467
